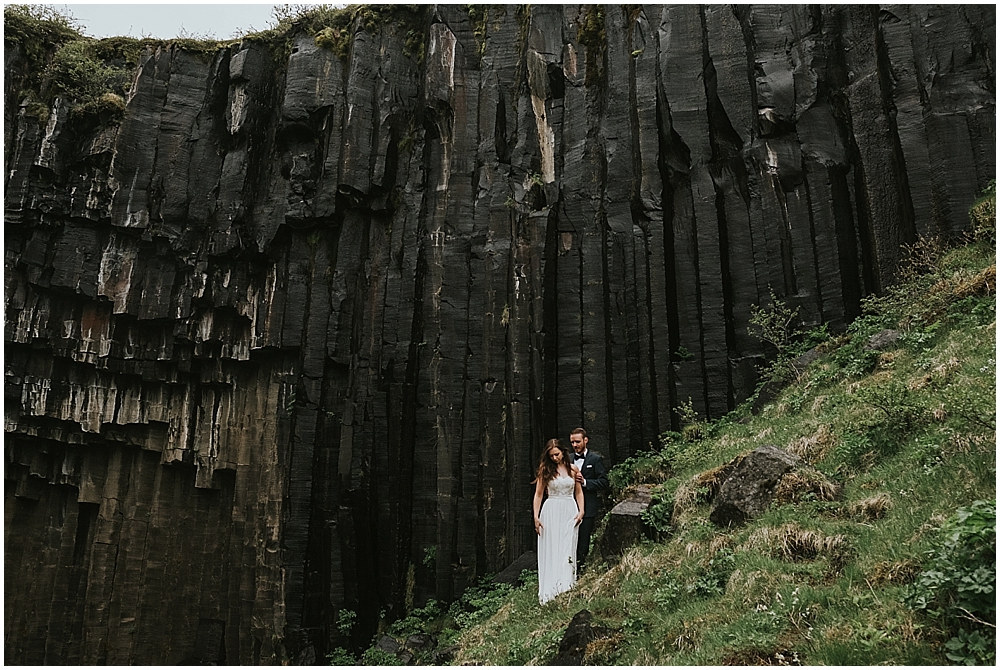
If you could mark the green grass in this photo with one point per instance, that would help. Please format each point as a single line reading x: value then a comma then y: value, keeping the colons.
x: 909, y: 432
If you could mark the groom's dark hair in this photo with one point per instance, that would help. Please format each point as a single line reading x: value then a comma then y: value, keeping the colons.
x: 578, y: 431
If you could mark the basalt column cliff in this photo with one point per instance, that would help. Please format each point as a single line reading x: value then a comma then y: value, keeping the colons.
x: 286, y: 337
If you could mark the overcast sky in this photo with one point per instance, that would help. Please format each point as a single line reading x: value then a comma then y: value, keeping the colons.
x: 166, y: 21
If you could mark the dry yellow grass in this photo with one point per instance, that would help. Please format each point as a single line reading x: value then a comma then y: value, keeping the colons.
x: 636, y: 560
x: 871, y: 508
x: 687, y: 637
x: 893, y: 572
x: 944, y: 370
x: 602, y: 650
x: 702, y: 486
x: 797, y: 483
x: 984, y: 283
x: 813, y: 448
x: 792, y: 542
x: 756, y: 587
x: 970, y: 443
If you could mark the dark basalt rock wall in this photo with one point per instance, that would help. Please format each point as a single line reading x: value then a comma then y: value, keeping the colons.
x: 289, y: 337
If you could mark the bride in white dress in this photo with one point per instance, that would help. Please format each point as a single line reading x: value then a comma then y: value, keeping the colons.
x: 557, y: 521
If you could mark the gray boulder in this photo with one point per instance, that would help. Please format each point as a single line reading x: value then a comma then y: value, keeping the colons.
x: 754, y: 480
x: 882, y: 340
x: 625, y: 526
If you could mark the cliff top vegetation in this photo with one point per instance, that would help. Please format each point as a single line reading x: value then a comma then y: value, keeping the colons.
x: 898, y: 569
x: 94, y: 75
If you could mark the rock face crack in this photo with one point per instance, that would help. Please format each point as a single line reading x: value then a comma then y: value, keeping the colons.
x: 298, y: 326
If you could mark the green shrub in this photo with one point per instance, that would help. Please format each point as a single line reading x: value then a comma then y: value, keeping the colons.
x: 61, y: 62
x: 479, y: 602
x: 341, y: 656
x: 896, y: 409
x: 345, y: 621
x: 376, y: 656
x: 958, y: 584
x: 37, y: 29
x: 777, y: 325
x: 712, y: 580
x: 418, y: 621
x: 678, y: 452
x: 659, y: 513
x: 76, y: 74
x: 973, y: 397
x: 644, y: 467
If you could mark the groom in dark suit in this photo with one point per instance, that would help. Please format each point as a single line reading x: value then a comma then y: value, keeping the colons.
x: 593, y: 478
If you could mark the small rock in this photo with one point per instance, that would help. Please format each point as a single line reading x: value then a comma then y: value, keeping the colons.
x: 420, y: 642
x: 388, y: 644
x: 800, y: 363
x: 882, y: 340
x: 579, y: 633
x: 512, y: 573
x: 444, y: 656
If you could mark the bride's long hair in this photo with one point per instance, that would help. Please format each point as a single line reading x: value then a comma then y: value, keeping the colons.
x: 547, y: 470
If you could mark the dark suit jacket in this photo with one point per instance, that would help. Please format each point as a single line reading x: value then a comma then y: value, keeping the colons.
x: 596, y: 475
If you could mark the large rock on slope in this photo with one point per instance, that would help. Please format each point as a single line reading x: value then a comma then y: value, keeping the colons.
x: 751, y: 482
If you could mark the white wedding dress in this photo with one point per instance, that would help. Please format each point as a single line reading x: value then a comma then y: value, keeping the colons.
x: 557, y: 541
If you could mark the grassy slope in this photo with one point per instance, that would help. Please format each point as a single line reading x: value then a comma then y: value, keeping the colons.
x: 909, y: 433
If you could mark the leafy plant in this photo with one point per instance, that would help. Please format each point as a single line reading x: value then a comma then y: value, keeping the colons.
x: 430, y: 555
x: 971, y: 648
x: 641, y: 468
x: 659, y: 512
x: 376, y: 656
x: 668, y: 594
x: 958, y: 585
x: 345, y: 621
x: 340, y: 656
x: 712, y: 581
x: 778, y: 326
x: 479, y: 602
x: 418, y: 620
x: 977, y: 310
x: 691, y: 428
